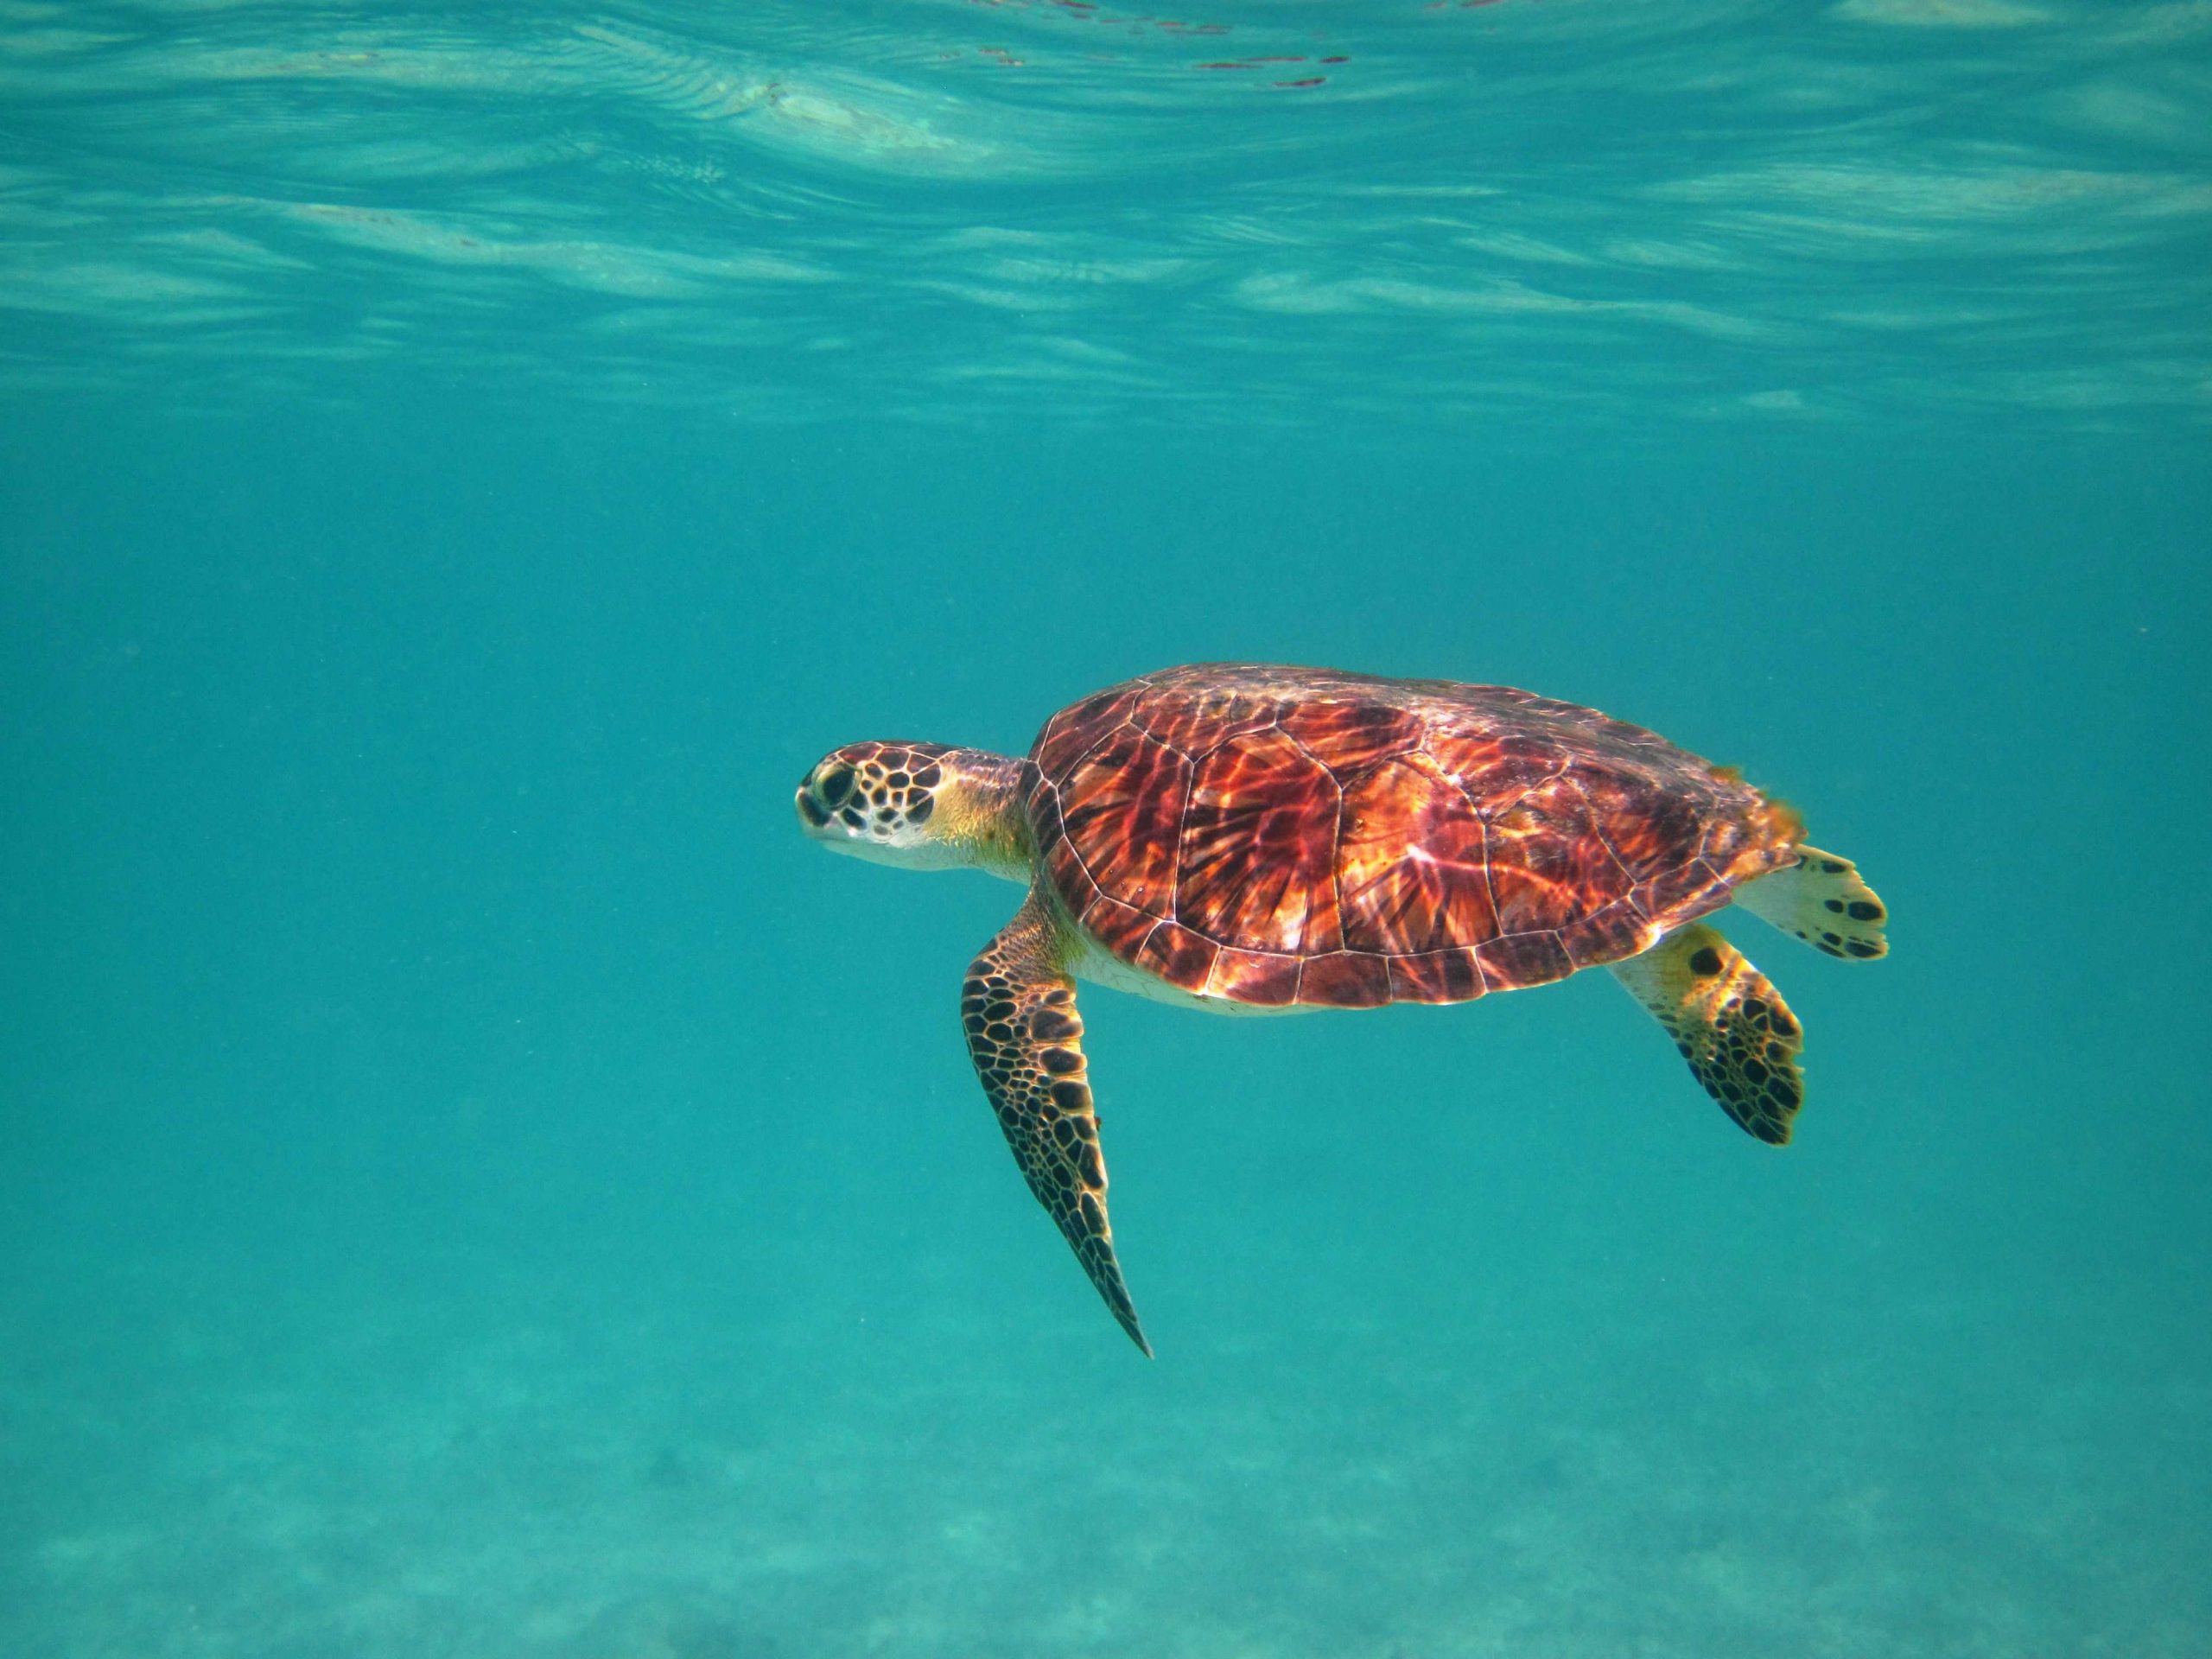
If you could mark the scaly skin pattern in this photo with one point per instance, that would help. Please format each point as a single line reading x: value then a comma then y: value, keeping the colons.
x: 1301, y: 837
x: 1729, y: 1022
x: 1018, y: 1008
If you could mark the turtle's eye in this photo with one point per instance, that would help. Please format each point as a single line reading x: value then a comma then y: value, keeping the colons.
x: 830, y: 792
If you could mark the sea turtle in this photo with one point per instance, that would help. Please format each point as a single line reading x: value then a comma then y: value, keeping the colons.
x: 1242, y: 837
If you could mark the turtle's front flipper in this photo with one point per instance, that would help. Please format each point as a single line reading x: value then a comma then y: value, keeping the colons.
x: 1026, y: 1040
x: 1730, y: 1025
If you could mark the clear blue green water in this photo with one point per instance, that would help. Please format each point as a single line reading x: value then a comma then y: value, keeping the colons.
x: 476, y: 1183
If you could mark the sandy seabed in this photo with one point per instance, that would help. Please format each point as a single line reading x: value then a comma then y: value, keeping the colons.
x: 523, y: 1470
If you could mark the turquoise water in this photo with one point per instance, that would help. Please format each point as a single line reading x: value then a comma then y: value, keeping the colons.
x: 477, y: 1182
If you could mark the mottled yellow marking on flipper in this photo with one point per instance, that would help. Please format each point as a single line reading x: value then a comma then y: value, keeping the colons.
x: 1732, y: 1026
x: 1821, y: 900
x: 1025, y: 1038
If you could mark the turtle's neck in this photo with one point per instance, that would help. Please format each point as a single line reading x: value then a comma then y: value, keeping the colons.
x: 986, y: 812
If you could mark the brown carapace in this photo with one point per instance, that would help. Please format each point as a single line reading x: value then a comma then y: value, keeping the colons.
x: 1286, y: 837
x: 1251, y: 837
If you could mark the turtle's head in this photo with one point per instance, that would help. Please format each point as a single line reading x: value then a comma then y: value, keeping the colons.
x: 920, y: 806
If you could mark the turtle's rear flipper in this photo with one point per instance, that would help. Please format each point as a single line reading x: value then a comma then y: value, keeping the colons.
x: 1730, y: 1025
x: 1026, y: 1040
x: 1820, y: 899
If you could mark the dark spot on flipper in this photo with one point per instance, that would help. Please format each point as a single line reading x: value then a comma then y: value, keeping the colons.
x: 1060, y: 1061
x: 1705, y: 963
x: 1863, y: 911
x: 1862, y: 950
x: 1833, y: 866
x: 1074, y: 1097
x: 1835, y: 905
